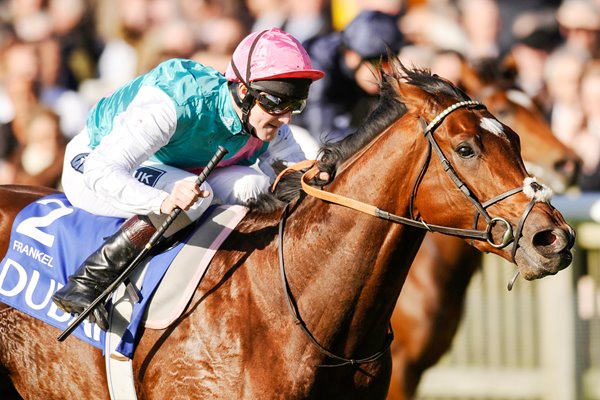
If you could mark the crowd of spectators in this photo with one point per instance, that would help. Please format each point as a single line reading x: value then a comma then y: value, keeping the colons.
x: 58, y: 57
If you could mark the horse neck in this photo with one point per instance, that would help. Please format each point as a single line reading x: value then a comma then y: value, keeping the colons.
x: 354, y: 264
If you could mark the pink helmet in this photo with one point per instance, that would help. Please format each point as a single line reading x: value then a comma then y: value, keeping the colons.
x: 271, y: 54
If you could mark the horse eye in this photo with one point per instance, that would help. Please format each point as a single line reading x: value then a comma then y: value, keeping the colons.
x: 465, y: 151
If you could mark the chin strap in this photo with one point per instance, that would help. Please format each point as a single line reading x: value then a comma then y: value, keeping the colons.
x: 247, y: 102
x: 245, y: 105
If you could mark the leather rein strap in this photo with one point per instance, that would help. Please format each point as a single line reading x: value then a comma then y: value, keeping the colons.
x: 474, y: 233
x: 379, y: 213
x: 293, y: 307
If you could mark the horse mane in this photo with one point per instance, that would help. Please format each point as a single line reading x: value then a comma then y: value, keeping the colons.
x: 389, y: 108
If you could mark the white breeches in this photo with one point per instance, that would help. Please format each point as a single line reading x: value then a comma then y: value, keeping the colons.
x: 228, y: 185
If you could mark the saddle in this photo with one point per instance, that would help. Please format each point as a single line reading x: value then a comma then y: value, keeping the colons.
x: 50, y: 238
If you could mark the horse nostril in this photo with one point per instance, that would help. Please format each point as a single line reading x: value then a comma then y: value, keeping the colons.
x: 568, y: 167
x: 564, y: 165
x: 570, y: 238
x: 544, y: 238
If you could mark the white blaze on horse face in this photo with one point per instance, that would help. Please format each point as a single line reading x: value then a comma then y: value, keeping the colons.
x: 494, y: 126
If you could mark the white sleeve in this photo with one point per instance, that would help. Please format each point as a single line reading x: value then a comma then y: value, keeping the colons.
x: 283, y: 147
x: 139, y: 132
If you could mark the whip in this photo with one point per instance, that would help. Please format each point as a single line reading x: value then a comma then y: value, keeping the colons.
x: 221, y: 152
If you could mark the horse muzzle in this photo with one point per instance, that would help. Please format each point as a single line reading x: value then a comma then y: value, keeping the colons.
x: 547, y: 253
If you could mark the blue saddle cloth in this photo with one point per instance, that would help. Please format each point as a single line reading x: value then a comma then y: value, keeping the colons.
x: 49, y: 240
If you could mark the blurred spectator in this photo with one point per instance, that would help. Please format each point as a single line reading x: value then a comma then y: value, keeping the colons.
x: 202, y: 11
x: 19, y: 90
x: 68, y: 103
x: 536, y: 35
x: 416, y: 55
x: 306, y: 18
x: 562, y: 75
x: 481, y: 22
x: 266, y: 14
x: 434, y: 26
x: 162, y: 12
x: 580, y: 24
x: 79, y: 49
x: 350, y: 59
x: 303, y: 19
x: 448, y: 64
x: 586, y: 142
x: 91, y: 47
x: 39, y: 160
x: 172, y: 39
x: 29, y: 19
x: 121, y: 26
x: 511, y: 10
x: 21, y: 8
x: 26, y: 122
x: 220, y: 36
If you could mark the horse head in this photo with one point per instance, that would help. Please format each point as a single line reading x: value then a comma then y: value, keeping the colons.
x: 430, y: 307
x: 467, y: 175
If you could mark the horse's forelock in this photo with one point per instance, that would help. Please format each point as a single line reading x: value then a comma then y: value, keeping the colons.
x: 388, y: 109
x: 425, y: 80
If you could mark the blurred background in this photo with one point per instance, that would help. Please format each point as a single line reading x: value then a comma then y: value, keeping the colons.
x: 540, y: 341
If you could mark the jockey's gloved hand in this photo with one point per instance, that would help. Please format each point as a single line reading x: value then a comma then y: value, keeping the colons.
x: 326, y: 174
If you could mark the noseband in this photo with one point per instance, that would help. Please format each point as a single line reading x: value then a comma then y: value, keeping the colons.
x: 481, y: 209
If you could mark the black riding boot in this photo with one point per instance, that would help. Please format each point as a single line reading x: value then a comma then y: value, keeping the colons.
x: 101, y: 268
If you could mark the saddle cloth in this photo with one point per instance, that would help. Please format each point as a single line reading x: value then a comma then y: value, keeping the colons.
x: 50, y: 239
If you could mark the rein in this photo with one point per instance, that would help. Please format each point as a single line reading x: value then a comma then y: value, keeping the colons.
x: 293, y: 307
x: 481, y: 209
x: 474, y: 234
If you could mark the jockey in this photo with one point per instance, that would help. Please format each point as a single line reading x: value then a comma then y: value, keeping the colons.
x: 338, y: 102
x: 142, y: 146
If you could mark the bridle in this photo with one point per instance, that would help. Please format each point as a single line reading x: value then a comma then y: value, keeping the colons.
x: 508, y: 237
x: 481, y: 208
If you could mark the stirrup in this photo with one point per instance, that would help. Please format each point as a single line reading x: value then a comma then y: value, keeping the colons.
x: 132, y: 292
x: 99, y: 316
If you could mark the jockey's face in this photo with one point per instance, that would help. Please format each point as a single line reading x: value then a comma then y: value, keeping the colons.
x: 265, y: 125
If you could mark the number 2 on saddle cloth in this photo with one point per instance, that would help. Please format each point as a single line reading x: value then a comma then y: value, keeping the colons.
x: 49, y: 239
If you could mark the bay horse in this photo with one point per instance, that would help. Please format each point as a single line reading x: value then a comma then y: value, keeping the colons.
x: 427, y: 156
x: 430, y: 307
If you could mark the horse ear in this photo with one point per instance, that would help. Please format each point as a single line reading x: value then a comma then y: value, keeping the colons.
x: 407, y: 93
x: 396, y: 78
